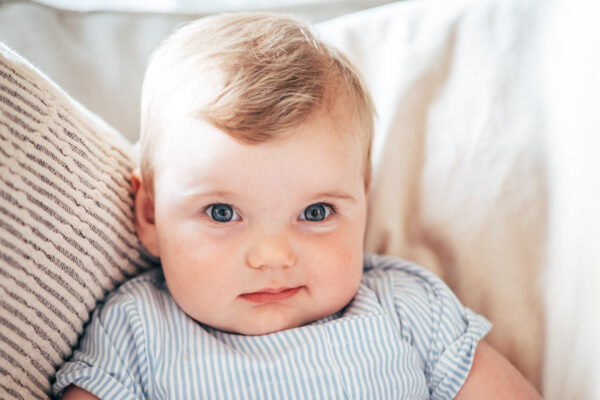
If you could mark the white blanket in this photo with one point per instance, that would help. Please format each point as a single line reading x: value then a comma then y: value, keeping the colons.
x: 461, y: 162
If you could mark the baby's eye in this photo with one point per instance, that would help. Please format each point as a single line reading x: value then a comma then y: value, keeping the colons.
x: 316, y: 212
x: 221, y: 213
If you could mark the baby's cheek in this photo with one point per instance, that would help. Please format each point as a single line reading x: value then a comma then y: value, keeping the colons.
x: 341, y: 247
x: 337, y: 263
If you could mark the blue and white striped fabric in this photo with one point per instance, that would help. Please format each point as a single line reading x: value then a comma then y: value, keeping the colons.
x: 404, y: 336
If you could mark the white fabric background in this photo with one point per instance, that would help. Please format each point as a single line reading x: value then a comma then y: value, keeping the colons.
x: 572, y: 276
x: 99, y: 56
x: 485, y: 156
x: 460, y: 152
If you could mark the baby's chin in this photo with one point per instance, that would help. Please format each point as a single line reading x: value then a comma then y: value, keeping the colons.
x: 257, y: 325
x: 264, y: 319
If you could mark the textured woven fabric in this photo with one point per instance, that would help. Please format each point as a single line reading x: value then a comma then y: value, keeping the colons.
x: 66, y: 226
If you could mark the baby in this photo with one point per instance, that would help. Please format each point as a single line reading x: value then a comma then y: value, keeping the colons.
x: 252, y: 190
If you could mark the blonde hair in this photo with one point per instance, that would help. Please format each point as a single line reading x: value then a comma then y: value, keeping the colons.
x: 255, y: 76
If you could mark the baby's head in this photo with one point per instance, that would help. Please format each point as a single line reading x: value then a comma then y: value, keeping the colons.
x: 255, y: 165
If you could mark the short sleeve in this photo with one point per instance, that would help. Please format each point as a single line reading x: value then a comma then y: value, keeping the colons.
x: 110, y: 359
x: 443, y: 332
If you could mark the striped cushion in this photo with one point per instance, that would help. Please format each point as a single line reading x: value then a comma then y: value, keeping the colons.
x: 66, y: 228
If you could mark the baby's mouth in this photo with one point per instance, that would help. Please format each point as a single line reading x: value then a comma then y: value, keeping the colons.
x: 268, y: 295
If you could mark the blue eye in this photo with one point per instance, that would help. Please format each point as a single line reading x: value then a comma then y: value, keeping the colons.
x: 316, y: 212
x: 222, y: 213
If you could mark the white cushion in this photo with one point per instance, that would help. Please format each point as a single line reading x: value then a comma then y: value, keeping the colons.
x: 459, y: 153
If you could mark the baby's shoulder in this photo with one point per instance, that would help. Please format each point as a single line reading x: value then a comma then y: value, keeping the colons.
x: 423, y: 303
x: 400, y: 273
x: 152, y: 278
x: 413, y: 290
x: 147, y: 290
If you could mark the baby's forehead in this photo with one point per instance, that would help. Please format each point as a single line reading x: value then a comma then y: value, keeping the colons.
x: 183, y: 107
x: 191, y: 102
x: 318, y: 152
x: 284, y: 170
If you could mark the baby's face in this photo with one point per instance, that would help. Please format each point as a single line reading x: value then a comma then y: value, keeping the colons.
x: 256, y: 238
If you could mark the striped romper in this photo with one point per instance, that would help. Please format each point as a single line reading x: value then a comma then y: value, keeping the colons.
x: 403, y: 336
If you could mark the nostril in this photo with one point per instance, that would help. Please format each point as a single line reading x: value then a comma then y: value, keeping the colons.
x: 271, y: 252
x: 262, y: 262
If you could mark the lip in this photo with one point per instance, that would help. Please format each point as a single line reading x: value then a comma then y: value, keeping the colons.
x: 269, y: 295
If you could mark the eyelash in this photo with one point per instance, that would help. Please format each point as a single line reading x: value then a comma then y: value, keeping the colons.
x: 331, y: 207
x: 207, y: 209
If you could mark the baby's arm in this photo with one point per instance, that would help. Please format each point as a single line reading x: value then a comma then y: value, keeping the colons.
x: 76, y: 393
x: 108, y: 359
x: 493, y: 377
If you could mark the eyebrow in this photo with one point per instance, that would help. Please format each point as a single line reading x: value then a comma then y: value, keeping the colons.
x: 336, y: 195
x: 196, y: 192
x: 224, y: 193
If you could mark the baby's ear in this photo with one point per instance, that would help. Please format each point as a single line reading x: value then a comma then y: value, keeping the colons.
x: 144, y: 214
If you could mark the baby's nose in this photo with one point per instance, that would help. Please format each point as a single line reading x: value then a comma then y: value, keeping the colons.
x: 271, y: 251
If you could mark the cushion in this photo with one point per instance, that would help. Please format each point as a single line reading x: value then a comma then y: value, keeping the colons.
x: 460, y: 171
x: 66, y: 224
